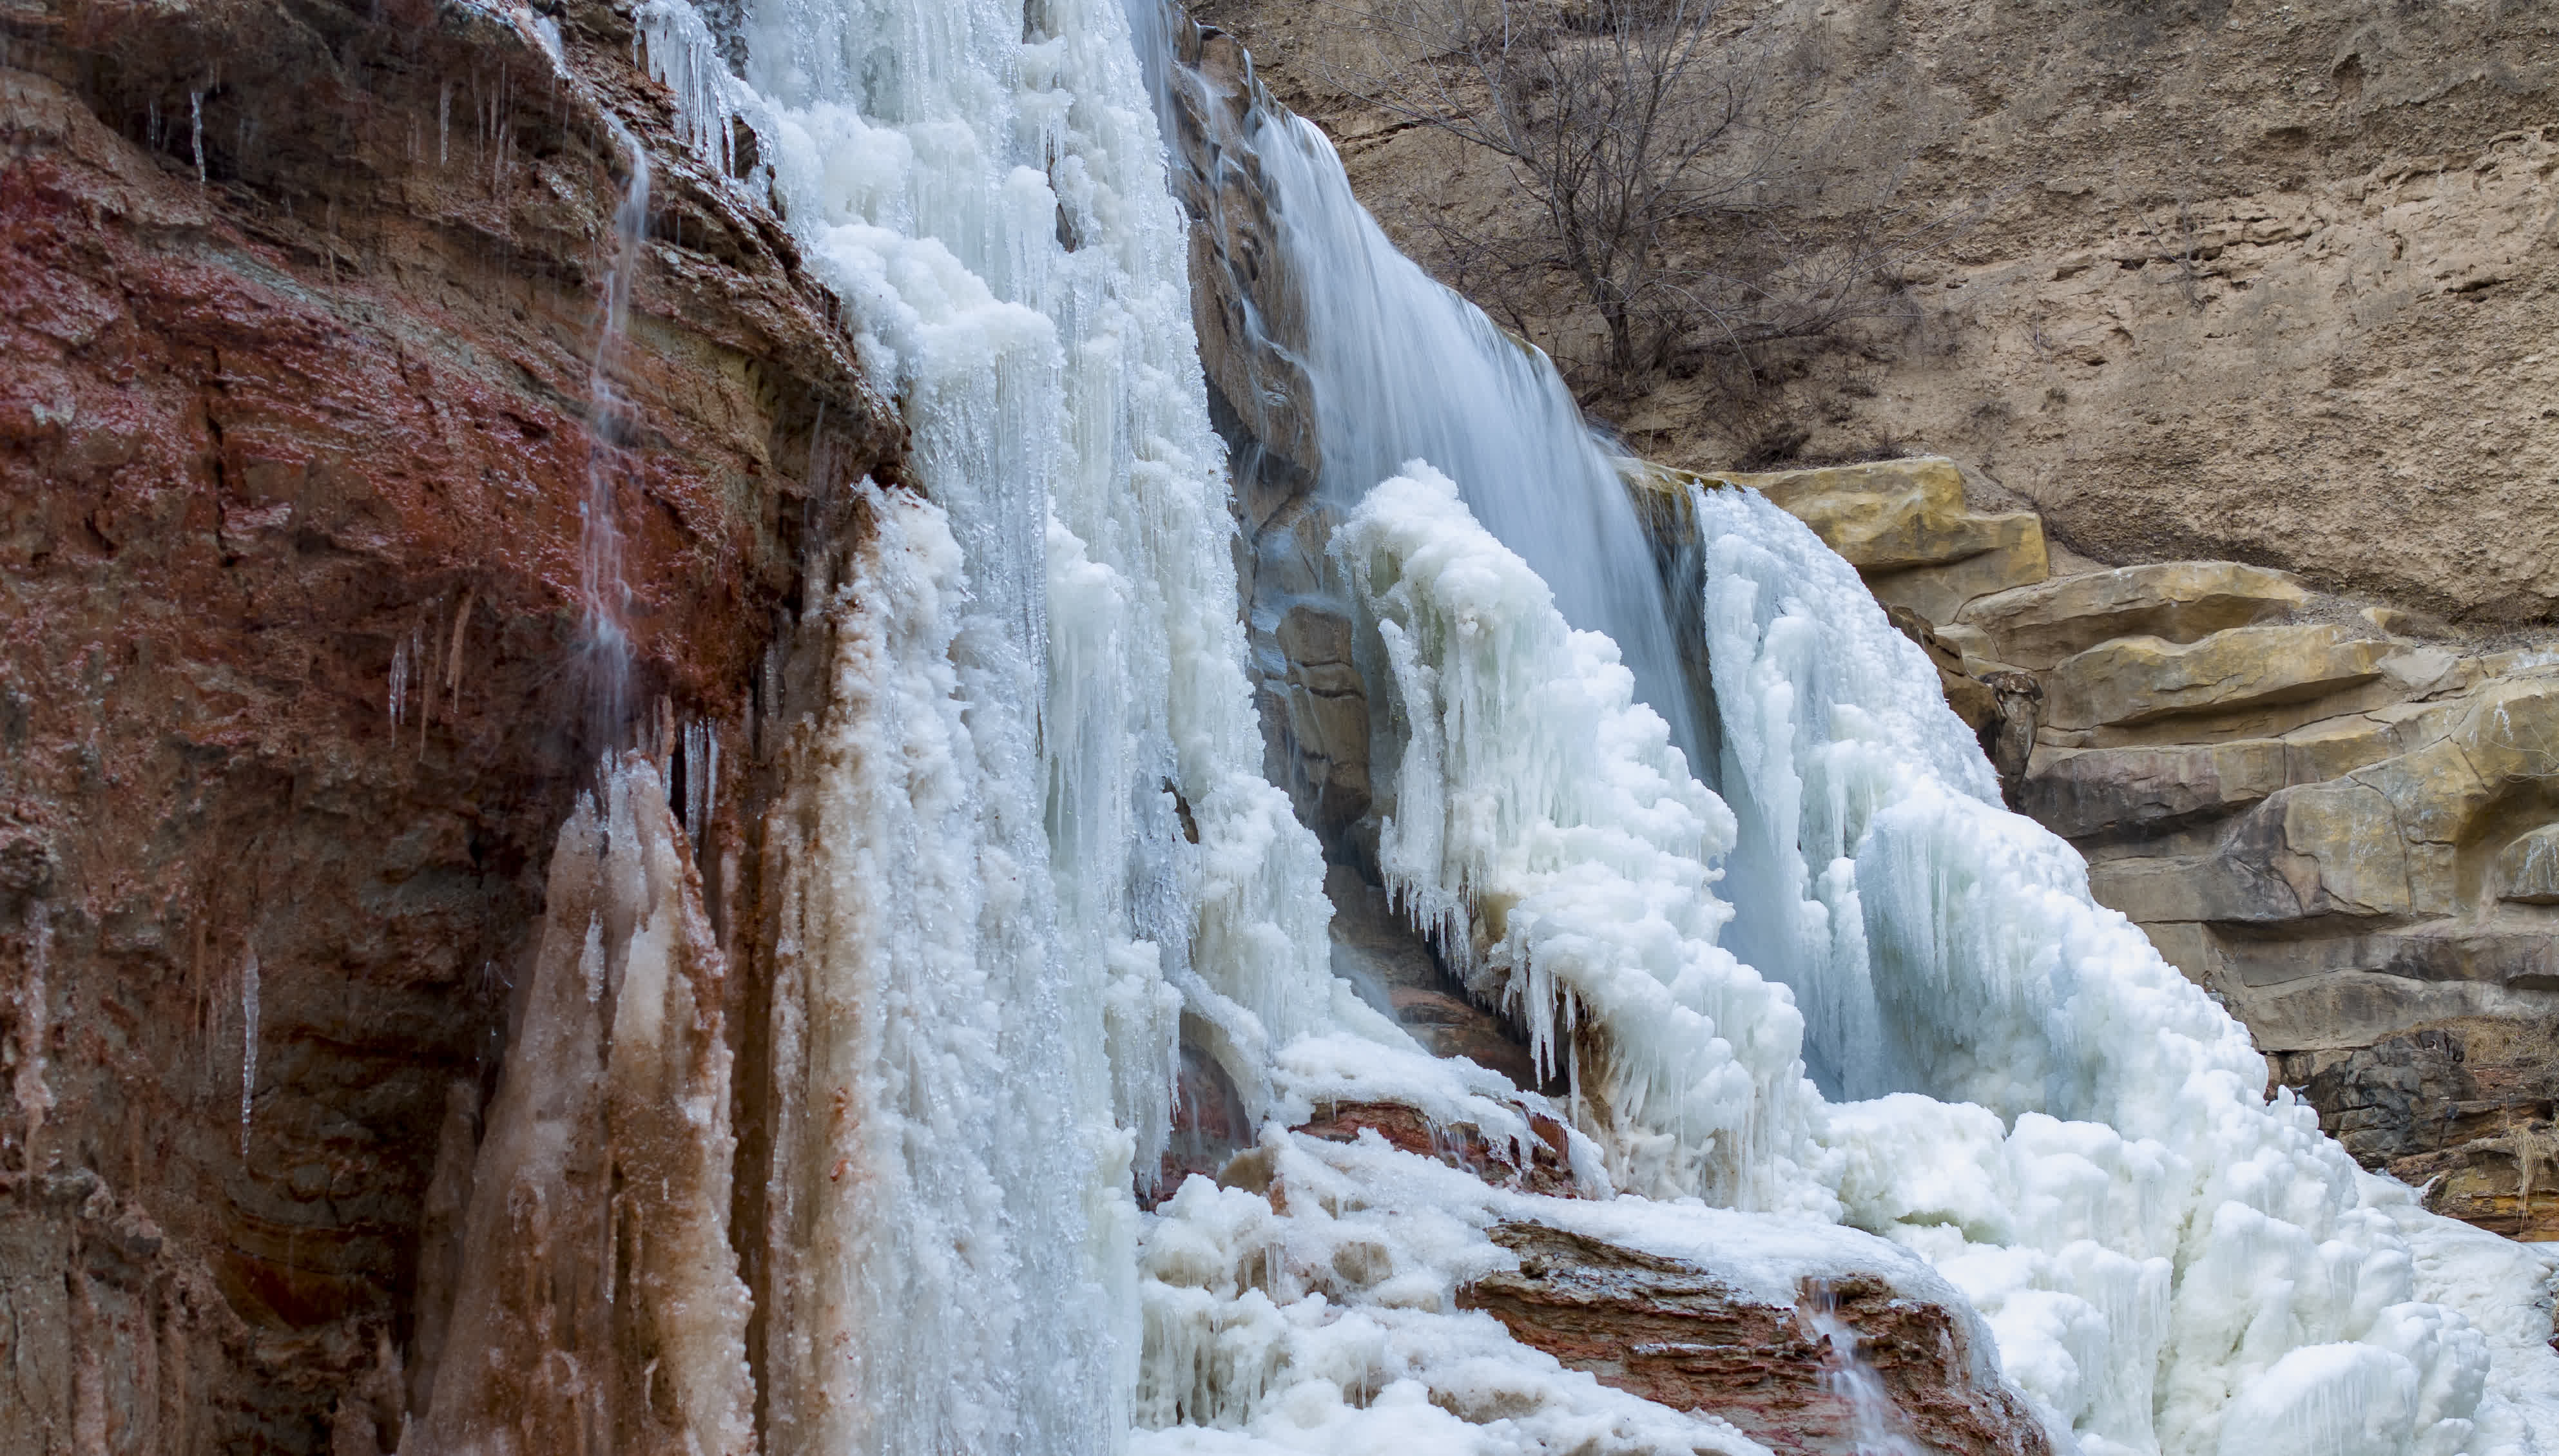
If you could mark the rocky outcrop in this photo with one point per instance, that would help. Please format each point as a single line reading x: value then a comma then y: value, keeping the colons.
x: 2343, y: 828
x: 1694, y: 1338
x: 1543, y: 1163
x: 1905, y: 526
x: 302, y: 310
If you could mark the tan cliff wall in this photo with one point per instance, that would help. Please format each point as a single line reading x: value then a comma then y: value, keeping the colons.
x: 2270, y: 282
x: 301, y: 305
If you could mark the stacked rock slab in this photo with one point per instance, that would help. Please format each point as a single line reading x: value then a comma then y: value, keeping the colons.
x: 2343, y: 825
x: 1681, y: 1333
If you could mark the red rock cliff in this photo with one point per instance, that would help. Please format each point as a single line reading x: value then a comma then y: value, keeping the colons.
x: 300, y: 304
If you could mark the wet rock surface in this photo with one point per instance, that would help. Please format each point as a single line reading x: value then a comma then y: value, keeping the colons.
x: 1690, y: 1338
x: 302, y: 307
x: 1543, y: 1165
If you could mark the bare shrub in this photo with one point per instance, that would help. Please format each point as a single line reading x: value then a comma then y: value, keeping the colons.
x: 1692, y: 209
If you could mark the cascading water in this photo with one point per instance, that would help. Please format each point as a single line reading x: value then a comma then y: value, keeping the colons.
x: 1403, y: 368
x: 1876, y: 1428
x: 603, y: 594
x: 1021, y: 840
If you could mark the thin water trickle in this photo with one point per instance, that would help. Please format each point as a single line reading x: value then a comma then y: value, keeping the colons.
x: 604, y: 596
x: 249, y: 1044
x: 35, y: 1026
x: 1876, y: 1425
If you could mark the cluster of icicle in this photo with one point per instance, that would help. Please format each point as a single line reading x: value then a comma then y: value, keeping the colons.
x: 1022, y: 839
x: 1551, y: 837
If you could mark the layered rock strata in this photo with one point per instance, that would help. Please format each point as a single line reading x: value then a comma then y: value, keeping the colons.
x: 303, y: 308
x: 1693, y: 1339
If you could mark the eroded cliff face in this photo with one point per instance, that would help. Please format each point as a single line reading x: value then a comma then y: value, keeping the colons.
x: 302, y: 307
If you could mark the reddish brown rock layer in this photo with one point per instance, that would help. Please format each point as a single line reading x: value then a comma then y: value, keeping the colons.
x: 1546, y: 1166
x: 300, y: 301
x: 1676, y: 1333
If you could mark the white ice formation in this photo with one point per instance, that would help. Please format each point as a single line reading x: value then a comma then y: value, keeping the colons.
x: 1022, y: 843
x: 2170, y: 1263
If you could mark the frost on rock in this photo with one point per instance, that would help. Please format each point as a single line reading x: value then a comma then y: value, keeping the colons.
x: 1320, y: 1316
x: 936, y: 1141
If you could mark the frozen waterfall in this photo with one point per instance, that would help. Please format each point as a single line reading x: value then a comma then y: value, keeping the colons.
x: 1021, y: 851
x: 1403, y: 368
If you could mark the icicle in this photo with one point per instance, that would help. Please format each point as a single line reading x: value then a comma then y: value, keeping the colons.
x: 34, y: 1005
x: 248, y: 1043
x: 195, y: 115
x: 678, y: 47
x: 444, y: 124
x: 400, y: 680
x: 453, y: 654
x: 1531, y: 780
x: 427, y: 640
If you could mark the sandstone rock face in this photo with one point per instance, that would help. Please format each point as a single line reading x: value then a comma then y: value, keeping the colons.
x: 2464, y: 1105
x: 2527, y: 871
x: 1690, y: 1338
x: 1905, y: 526
x: 2037, y: 626
x: 2134, y: 679
x: 294, y: 691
